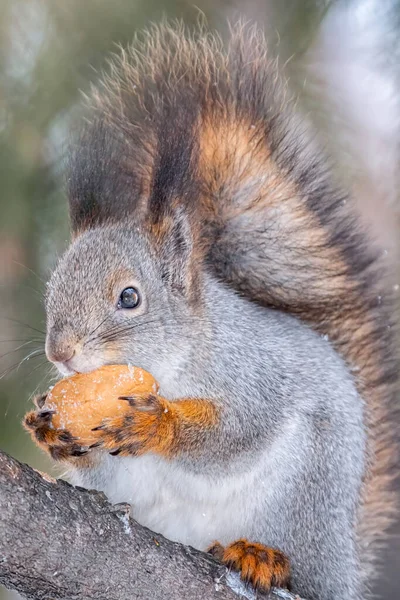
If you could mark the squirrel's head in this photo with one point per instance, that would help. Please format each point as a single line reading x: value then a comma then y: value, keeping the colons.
x: 123, y: 295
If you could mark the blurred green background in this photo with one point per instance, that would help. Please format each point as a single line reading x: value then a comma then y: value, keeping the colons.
x: 49, y: 52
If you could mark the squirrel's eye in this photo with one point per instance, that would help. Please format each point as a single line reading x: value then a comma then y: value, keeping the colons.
x: 129, y: 298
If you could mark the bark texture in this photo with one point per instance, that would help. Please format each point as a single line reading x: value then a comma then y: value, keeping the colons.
x: 62, y: 542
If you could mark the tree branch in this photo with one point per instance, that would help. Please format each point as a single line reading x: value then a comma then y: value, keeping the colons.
x: 61, y: 542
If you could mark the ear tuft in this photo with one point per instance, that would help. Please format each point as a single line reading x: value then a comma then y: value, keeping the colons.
x: 175, y: 245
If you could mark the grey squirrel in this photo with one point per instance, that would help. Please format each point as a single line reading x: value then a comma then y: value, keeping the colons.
x: 211, y: 248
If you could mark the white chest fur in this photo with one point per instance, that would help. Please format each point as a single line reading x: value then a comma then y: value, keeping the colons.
x: 185, y: 507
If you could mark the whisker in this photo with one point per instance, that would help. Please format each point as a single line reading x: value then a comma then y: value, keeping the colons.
x: 30, y: 270
x: 114, y: 331
x: 8, y: 370
x: 123, y: 336
x: 33, y: 354
x: 4, y: 341
x: 112, y: 334
x: 90, y: 336
x: 24, y: 325
x: 16, y: 349
x: 17, y: 365
x: 39, y: 296
x: 41, y: 364
x: 120, y: 332
x: 38, y: 386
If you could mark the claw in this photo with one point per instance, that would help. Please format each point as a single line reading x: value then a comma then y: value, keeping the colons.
x: 98, y: 428
x: 80, y: 451
x: 40, y: 400
x: 130, y: 399
x: 46, y: 414
x: 115, y: 452
x: 96, y: 444
x: 67, y: 437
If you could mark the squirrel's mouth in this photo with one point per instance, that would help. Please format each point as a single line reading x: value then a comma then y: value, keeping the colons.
x: 82, y: 363
x: 64, y: 369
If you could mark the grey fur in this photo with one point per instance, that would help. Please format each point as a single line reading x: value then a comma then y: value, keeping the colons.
x: 291, y: 415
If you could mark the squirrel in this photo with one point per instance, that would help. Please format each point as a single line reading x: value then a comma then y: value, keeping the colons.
x: 211, y: 247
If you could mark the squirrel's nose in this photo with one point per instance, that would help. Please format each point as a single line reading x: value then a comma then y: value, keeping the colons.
x: 58, y: 351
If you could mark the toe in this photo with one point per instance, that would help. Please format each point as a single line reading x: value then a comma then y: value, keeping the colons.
x: 217, y: 550
x: 281, y: 569
x: 40, y: 400
x: 234, y: 553
x: 259, y: 565
x: 248, y: 567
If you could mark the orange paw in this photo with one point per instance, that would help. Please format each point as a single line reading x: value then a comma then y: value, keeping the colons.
x: 259, y: 565
x: 146, y: 426
x: 59, y: 443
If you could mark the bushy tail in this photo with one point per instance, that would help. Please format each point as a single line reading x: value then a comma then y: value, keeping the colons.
x: 193, y: 124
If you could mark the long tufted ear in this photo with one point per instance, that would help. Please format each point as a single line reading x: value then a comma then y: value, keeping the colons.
x: 174, y: 241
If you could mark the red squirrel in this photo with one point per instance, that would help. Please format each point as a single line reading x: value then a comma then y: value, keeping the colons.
x: 211, y: 248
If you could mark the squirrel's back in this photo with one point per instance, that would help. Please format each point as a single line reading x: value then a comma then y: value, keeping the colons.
x: 182, y: 122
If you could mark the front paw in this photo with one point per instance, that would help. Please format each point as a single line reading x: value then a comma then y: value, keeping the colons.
x: 59, y: 443
x: 146, y: 426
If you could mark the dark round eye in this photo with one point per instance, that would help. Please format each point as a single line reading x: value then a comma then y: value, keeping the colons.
x: 129, y: 298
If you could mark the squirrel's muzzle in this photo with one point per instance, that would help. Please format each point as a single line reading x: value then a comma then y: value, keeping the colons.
x: 59, y: 348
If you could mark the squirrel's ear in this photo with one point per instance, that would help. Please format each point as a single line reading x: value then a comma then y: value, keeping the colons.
x: 175, y: 245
